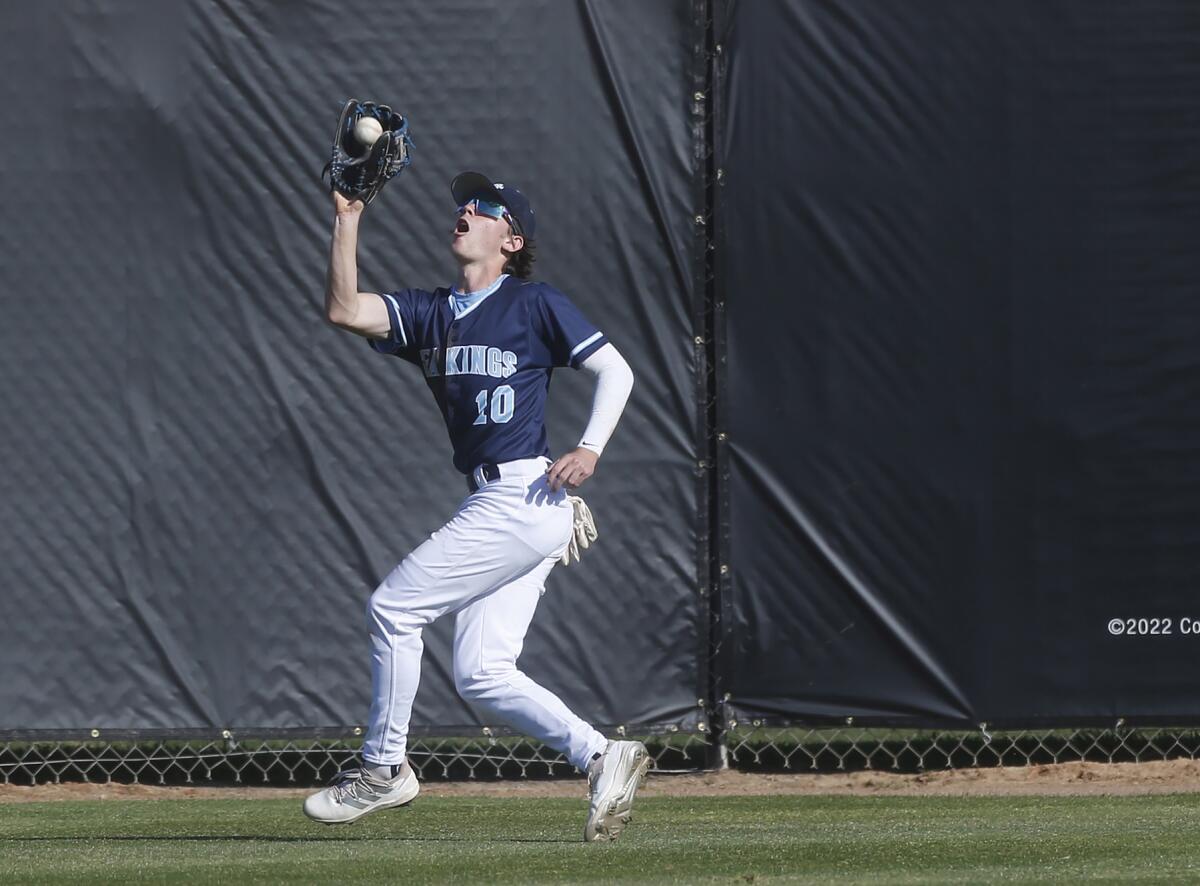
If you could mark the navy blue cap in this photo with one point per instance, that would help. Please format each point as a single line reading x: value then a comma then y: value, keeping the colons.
x: 475, y: 184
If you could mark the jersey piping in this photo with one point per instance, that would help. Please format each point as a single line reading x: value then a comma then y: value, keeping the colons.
x: 583, y: 344
x: 397, y: 322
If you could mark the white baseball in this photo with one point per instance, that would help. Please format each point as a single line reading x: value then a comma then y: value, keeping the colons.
x: 367, y: 130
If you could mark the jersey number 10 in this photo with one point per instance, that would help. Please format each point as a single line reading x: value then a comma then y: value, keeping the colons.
x: 503, y: 402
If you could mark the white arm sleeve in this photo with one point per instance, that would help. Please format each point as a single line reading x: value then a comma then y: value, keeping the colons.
x: 614, y: 381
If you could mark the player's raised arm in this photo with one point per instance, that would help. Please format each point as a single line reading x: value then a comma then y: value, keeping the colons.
x: 363, y: 313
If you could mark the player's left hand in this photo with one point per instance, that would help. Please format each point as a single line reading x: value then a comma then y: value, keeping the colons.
x: 572, y: 469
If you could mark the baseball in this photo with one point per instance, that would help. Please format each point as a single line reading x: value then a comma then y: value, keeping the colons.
x: 367, y: 130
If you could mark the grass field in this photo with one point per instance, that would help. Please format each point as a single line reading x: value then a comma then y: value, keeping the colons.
x: 672, y: 840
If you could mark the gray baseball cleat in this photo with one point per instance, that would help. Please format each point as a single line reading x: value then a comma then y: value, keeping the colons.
x: 353, y: 793
x: 613, y: 779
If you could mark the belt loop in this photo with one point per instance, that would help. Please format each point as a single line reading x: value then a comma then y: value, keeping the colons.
x: 480, y: 477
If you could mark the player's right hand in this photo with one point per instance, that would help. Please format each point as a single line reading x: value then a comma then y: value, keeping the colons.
x: 343, y: 207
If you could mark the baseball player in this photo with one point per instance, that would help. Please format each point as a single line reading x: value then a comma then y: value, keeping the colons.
x: 487, y: 347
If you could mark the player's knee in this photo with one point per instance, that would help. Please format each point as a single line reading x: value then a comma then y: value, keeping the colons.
x: 377, y: 611
x: 386, y: 613
x: 482, y: 686
x: 470, y: 686
x: 374, y: 607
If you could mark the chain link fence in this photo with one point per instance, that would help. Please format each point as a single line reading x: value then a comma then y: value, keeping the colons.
x: 299, y: 761
x: 307, y: 762
x: 753, y: 746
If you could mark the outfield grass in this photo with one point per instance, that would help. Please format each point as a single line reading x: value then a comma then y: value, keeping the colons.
x: 672, y: 840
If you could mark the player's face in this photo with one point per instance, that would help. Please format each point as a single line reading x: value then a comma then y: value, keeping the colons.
x: 482, y: 232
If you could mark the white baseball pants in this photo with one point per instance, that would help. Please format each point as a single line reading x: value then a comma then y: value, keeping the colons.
x: 489, y: 563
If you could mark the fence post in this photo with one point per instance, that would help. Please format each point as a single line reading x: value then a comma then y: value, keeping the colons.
x: 713, y: 566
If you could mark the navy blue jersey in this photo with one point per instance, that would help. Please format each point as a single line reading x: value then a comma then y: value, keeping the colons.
x: 489, y: 368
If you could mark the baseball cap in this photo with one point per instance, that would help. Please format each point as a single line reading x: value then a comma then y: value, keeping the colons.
x: 475, y: 184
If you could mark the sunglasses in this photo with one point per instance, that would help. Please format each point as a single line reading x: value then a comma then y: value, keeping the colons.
x: 491, y: 210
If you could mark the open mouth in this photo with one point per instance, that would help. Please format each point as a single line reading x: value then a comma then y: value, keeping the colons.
x: 462, y: 227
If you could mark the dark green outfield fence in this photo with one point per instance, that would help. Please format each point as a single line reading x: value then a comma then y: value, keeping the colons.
x: 910, y: 476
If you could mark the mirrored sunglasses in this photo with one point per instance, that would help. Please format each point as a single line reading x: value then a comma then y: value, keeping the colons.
x: 491, y: 210
x: 485, y: 207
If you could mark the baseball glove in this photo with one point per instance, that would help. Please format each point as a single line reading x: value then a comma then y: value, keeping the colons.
x: 359, y: 171
x: 583, y: 530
